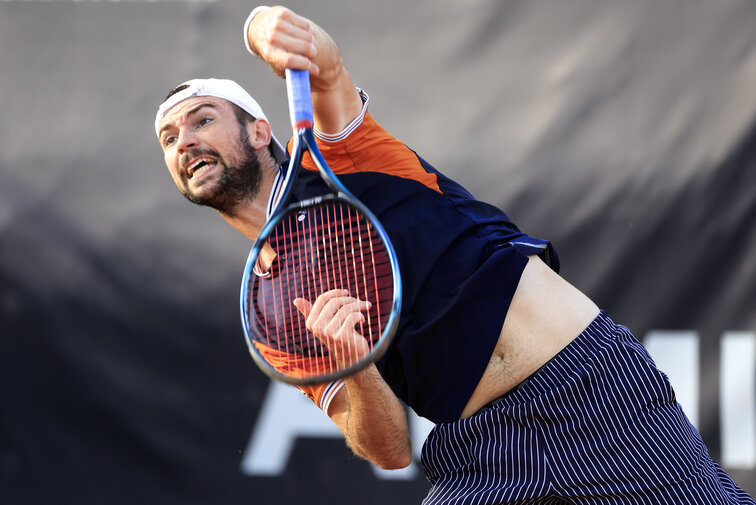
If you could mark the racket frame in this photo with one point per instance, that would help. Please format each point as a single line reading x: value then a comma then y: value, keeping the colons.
x: 304, y: 140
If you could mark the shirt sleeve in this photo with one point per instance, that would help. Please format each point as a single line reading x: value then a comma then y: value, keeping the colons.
x: 365, y: 146
x: 321, y: 394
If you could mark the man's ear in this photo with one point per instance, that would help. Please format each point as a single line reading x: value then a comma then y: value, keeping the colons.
x: 259, y: 133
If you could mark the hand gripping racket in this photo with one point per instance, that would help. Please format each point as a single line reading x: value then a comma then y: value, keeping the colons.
x: 312, y: 247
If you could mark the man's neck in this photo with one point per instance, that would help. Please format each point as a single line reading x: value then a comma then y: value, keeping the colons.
x: 249, y: 218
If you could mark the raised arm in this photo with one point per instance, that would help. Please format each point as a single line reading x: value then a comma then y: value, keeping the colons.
x: 286, y: 40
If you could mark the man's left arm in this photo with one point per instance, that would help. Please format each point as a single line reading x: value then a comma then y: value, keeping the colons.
x: 372, y: 420
x: 366, y: 411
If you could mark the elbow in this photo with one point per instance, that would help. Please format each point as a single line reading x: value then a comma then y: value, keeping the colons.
x: 396, y: 463
x: 399, y: 458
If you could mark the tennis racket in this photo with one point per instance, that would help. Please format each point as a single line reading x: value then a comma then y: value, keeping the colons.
x: 324, y: 245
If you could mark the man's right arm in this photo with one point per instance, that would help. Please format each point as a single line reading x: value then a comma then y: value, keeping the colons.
x: 286, y: 40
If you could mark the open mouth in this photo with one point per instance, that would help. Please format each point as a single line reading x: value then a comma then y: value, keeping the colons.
x: 200, y: 166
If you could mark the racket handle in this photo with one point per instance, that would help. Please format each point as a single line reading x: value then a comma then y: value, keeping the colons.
x: 300, y: 98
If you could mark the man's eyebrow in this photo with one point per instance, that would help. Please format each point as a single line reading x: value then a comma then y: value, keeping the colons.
x: 191, y: 111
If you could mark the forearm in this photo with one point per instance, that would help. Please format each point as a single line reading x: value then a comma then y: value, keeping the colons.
x: 373, y: 420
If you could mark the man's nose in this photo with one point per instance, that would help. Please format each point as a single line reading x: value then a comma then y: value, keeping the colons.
x: 186, y: 140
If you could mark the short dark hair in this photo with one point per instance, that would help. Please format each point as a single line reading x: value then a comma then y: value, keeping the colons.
x: 175, y: 90
x: 244, y: 118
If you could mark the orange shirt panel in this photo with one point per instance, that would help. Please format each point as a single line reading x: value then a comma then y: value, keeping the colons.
x: 294, y: 366
x: 370, y: 148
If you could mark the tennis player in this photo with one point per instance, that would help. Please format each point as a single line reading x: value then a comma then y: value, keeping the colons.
x: 537, y: 395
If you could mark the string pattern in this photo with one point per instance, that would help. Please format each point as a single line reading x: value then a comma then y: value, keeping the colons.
x: 318, y: 248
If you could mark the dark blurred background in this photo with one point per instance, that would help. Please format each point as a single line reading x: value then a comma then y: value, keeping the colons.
x: 625, y: 132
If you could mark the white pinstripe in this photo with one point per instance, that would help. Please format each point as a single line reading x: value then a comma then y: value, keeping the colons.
x: 599, y: 424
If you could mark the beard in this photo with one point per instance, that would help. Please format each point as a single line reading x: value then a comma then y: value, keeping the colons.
x: 239, y: 181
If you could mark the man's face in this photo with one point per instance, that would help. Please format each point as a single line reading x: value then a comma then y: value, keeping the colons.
x: 209, y: 155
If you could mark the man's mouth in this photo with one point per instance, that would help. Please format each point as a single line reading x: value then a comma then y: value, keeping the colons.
x: 199, y: 166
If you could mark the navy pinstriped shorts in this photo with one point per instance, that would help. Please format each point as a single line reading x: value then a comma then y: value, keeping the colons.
x: 597, y: 424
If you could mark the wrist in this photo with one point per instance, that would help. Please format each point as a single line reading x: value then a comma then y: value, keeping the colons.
x: 248, y: 22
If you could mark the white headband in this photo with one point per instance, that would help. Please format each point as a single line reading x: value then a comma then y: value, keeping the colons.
x: 221, y: 88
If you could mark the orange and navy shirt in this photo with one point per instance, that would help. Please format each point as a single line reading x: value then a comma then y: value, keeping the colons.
x: 460, y: 260
x: 293, y: 365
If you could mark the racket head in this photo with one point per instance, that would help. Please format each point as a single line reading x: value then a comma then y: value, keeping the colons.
x: 325, y: 243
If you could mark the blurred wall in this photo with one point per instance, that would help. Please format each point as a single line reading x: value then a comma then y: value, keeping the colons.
x: 625, y: 132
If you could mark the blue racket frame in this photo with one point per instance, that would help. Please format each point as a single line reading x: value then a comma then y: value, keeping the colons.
x: 301, y: 116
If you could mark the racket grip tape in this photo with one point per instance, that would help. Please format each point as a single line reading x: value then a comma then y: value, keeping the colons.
x: 300, y: 98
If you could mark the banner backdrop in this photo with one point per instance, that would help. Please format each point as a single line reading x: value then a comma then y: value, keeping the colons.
x: 625, y: 132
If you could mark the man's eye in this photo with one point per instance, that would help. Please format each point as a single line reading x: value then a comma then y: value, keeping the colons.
x: 168, y: 140
x: 203, y: 121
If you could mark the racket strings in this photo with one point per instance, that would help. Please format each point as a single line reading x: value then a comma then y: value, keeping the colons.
x: 320, y: 248
x: 332, y: 239
x: 346, y: 222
